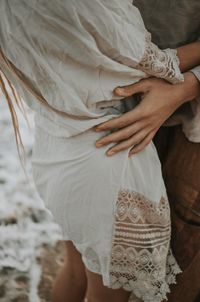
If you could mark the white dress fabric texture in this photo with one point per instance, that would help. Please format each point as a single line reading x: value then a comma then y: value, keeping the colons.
x: 114, y: 209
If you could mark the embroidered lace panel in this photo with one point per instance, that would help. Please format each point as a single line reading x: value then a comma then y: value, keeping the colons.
x: 161, y: 63
x: 141, y: 259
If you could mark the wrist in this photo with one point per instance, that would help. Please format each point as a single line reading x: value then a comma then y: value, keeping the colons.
x: 190, y: 88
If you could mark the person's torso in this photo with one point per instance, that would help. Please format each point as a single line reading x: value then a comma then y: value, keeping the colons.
x: 62, y: 90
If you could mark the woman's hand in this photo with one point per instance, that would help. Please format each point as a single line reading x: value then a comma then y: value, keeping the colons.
x: 138, y: 126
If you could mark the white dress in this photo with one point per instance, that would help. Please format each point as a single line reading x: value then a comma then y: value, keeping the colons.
x: 72, y: 54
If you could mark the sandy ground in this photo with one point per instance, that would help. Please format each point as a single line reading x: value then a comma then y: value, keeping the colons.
x: 17, y: 285
x: 51, y: 261
x: 18, y: 281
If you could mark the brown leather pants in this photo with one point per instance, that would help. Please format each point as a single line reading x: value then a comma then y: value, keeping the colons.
x: 181, y: 171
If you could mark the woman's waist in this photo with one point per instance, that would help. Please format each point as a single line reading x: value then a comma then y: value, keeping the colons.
x: 67, y: 126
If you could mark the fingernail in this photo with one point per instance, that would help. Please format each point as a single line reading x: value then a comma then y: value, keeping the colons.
x: 99, y: 144
x: 110, y: 153
x: 98, y: 129
x: 130, y: 154
x: 119, y: 90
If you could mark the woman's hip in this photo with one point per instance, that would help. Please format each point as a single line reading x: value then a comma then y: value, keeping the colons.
x: 75, y: 162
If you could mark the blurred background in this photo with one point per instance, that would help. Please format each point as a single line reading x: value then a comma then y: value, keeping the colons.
x: 31, y: 251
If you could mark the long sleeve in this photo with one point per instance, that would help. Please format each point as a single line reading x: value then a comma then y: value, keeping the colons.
x: 196, y: 70
x: 107, y: 34
x: 119, y: 33
x: 115, y: 28
x: 74, y: 53
x: 85, y: 29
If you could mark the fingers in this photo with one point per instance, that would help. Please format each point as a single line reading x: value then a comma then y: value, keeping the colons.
x: 140, y: 87
x: 132, y: 116
x: 139, y: 147
x: 120, y: 135
x: 120, y: 122
x: 134, y: 140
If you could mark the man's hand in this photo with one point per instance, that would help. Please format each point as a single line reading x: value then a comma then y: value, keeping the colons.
x: 138, y: 126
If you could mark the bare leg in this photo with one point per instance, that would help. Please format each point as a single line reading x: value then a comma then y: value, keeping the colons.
x: 97, y: 292
x: 71, y: 282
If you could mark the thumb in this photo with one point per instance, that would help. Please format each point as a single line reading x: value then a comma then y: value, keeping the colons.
x: 125, y: 91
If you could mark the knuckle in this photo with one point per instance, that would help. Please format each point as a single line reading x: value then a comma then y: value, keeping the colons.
x: 148, y: 140
x: 142, y: 147
x: 125, y: 145
x: 122, y: 148
x: 135, y: 144
x: 107, y: 140
x: 136, y: 141
x: 116, y: 150
x: 113, y: 139
x: 128, y: 133
x: 129, y: 144
x: 129, y: 89
x: 136, y: 150
x: 116, y: 137
x: 120, y: 124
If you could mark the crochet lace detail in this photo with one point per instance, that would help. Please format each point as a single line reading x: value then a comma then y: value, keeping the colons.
x: 161, y: 63
x: 141, y: 259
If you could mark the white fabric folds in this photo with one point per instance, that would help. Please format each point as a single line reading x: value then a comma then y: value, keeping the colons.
x: 73, y: 54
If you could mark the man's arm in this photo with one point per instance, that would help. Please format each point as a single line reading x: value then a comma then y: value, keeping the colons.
x: 189, y: 56
x: 196, y: 70
x: 137, y: 127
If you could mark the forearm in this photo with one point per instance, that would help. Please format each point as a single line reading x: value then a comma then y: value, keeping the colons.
x: 189, y: 56
x: 190, y: 88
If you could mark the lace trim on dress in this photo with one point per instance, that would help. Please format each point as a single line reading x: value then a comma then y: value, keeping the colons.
x: 141, y: 259
x: 161, y: 63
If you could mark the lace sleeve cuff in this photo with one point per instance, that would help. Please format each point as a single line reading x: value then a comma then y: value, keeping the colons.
x: 161, y: 63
